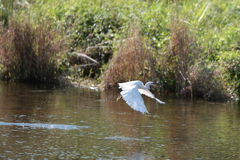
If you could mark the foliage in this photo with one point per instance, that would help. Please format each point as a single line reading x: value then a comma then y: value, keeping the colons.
x: 188, y: 41
x: 231, y: 64
x: 6, y: 9
x: 132, y: 61
x: 29, y: 53
x: 206, y: 82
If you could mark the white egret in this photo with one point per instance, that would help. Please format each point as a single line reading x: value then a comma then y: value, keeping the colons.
x: 131, y: 94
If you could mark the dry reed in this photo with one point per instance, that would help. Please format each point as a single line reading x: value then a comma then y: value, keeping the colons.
x: 193, y: 76
x: 133, y: 61
x: 28, y: 53
x: 182, y: 53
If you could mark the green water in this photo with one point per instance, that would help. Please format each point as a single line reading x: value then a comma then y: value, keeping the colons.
x: 38, y: 122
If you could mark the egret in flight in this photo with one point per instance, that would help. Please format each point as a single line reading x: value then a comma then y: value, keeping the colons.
x: 131, y: 94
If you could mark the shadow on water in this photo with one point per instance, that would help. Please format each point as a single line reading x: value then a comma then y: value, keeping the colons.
x: 71, y: 123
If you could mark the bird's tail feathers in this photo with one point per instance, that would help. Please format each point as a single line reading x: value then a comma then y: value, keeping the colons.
x: 159, y: 101
x: 145, y: 112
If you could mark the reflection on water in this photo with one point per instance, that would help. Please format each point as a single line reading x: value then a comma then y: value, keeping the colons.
x: 71, y: 123
x: 42, y: 125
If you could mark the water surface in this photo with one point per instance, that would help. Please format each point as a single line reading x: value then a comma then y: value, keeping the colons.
x: 39, y: 122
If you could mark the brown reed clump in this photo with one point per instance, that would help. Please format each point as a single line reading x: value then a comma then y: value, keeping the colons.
x: 207, y: 82
x: 28, y: 53
x: 173, y: 66
x: 192, y: 76
x: 182, y: 52
x: 133, y: 61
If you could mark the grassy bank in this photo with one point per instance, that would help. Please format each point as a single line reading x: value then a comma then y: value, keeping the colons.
x: 190, y: 47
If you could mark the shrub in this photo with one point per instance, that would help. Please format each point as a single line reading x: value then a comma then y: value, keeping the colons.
x: 182, y: 69
x: 205, y: 81
x: 133, y: 61
x: 28, y: 53
x: 172, y: 66
x: 231, y: 64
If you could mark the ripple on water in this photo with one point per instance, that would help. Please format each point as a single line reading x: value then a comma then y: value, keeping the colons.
x: 44, y: 125
x: 122, y: 138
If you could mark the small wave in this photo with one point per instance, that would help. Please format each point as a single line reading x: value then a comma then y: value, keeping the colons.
x: 43, y: 125
x: 121, y: 138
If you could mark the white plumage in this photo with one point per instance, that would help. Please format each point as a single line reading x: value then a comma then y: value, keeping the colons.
x: 131, y: 94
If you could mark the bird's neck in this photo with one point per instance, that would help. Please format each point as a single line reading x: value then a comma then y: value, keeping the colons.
x: 147, y: 87
x: 142, y: 87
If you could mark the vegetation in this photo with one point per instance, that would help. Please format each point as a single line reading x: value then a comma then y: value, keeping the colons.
x: 29, y: 54
x: 133, y: 60
x: 190, y: 47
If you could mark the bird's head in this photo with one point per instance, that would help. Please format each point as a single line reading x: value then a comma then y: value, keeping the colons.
x: 148, y: 84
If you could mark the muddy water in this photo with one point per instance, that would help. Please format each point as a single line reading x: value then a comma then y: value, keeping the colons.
x: 39, y: 122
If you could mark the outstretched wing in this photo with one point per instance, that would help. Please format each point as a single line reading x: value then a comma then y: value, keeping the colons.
x: 132, y: 96
x: 149, y: 94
